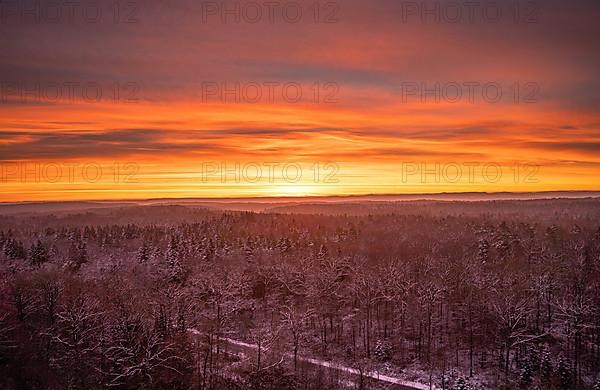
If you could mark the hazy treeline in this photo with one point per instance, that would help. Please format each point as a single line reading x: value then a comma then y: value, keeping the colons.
x: 492, y: 294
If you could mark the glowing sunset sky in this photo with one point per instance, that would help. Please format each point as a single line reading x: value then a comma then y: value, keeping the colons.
x: 367, y: 132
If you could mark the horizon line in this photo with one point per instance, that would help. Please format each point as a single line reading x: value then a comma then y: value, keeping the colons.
x: 541, y: 194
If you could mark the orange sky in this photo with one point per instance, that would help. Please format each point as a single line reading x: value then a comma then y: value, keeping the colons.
x: 365, y: 133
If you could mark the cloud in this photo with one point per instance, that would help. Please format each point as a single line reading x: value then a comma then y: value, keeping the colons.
x: 368, y: 54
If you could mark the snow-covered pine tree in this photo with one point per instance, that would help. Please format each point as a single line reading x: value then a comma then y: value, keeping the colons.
x: 483, y: 251
x: 38, y: 254
x: 143, y: 253
x: 14, y: 249
x: 546, y: 366
x: 565, y: 373
x: 77, y: 254
x: 462, y: 383
x: 174, y: 261
x: 383, y: 350
x: 526, y: 374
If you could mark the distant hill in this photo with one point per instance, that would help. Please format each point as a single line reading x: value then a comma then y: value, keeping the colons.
x: 326, y: 204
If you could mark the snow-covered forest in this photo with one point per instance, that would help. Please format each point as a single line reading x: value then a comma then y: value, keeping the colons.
x: 472, y: 295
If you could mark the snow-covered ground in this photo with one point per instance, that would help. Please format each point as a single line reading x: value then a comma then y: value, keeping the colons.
x: 335, y: 366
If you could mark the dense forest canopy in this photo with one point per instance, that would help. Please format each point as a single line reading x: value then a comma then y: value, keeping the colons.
x: 502, y: 294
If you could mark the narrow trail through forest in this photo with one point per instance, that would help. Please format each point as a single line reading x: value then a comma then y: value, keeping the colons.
x: 401, y: 384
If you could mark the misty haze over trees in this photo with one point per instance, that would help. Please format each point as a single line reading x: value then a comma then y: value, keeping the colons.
x: 502, y: 295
